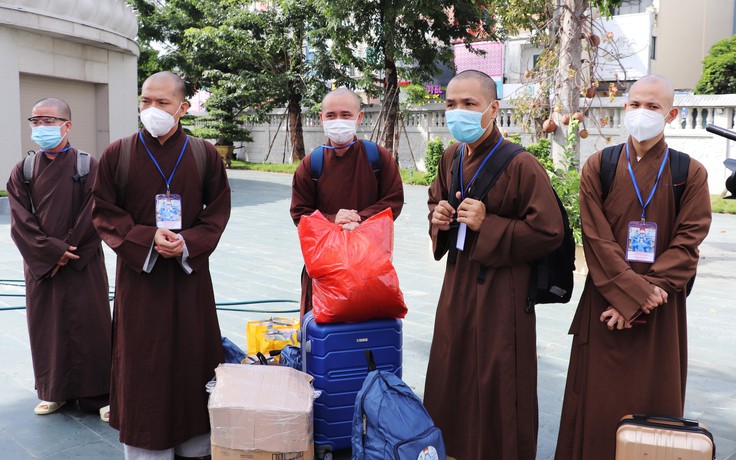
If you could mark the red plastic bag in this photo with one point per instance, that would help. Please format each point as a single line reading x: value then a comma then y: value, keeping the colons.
x: 352, y: 275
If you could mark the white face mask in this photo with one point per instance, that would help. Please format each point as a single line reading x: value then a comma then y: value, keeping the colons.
x: 644, y: 124
x: 157, y: 122
x: 340, y: 131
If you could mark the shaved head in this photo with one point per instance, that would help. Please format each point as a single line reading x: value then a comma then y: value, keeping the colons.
x: 344, y: 92
x: 60, y: 107
x: 178, y: 86
x: 663, y: 85
x: 488, y: 85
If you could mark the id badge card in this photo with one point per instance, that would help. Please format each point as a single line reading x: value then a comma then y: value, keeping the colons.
x: 168, y: 211
x: 462, y: 229
x: 641, y: 242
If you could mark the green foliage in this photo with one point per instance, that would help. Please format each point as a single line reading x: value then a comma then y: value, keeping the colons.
x: 432, y: 157
x: 541, y: 149
x: 287, y: 168
x: 414, y: 177
x: 719, y: 69
x: 3, y: 193
x: 400, y: 38
x: 251, y: 59
x: 721, y: 205
x: 416, y: 95
x: 566, y: 182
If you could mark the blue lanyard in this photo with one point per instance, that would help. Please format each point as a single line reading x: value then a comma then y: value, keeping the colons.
x: 342, y: 147
x: 636, y: 186
x: 171, y: 176
x: 463, y: 189
x: 56, y: 153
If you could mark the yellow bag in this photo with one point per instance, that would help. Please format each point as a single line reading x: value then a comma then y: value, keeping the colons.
x: 271, y: 334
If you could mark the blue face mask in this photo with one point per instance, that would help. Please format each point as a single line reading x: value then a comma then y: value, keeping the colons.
x: 47, y: 137
x: 464, y: 125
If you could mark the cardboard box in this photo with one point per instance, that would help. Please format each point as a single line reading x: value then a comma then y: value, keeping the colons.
x: 223, y: 453
x: 261, y: 408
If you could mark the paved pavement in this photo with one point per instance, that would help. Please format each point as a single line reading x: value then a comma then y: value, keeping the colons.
x: 259, y: 258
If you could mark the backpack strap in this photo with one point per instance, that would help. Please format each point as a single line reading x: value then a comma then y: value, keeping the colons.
x: 679, y: 167
x: 609, y: 162
x: 199, y: 150
x: 28, y: 165
x: 486, y: 179
x: 315, y: 162
x: 371, y: 150
x: 29, y: 162
x: 82, y: 166
x: 121, y: 172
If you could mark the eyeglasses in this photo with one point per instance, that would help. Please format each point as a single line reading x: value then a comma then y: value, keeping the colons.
x: 45, y: 121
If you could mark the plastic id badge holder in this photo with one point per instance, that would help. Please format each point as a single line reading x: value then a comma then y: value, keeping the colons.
x: 641, y: 242
x: 168, y: 211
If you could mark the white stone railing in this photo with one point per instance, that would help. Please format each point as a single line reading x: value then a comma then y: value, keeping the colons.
x: 604, y: 121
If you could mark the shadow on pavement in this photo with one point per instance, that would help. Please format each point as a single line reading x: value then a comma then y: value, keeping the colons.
x: 254, y: 192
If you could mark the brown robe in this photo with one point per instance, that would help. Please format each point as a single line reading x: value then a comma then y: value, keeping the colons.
x: 346, y: 182
x: 69, y: 314
x: 166, y: 341
x: 643, y: 369
x: 481, y: 385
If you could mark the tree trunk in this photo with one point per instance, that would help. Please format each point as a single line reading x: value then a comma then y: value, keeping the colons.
x: 568, y: 79
x: 295, y: 126
x: 391, y: 99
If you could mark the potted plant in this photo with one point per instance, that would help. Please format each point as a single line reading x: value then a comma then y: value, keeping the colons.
x: 223, y: 123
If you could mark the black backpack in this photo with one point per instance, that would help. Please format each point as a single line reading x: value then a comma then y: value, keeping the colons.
x: 29, y: 165
x: 552, y: 276
x: 679, y: 166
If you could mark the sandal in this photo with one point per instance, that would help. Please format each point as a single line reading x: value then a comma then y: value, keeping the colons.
x: 47, y: 407
x: 105, y: 414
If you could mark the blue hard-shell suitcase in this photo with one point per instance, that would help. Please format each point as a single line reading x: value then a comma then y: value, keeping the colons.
x: 334, y: 355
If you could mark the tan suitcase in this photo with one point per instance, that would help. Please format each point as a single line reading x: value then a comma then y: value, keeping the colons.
x: 648, y: 437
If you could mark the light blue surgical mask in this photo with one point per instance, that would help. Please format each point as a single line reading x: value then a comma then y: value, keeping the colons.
x: 47, y: 137
x: 465, y: 125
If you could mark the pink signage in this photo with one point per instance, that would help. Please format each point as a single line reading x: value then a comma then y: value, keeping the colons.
x: 491, y: 63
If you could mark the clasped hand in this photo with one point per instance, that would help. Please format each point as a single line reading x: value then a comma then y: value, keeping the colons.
x: 349, y: 219
x: 614, y: 319
x: 65, y: 258
x: 168, y: 243
x: 470, y: 212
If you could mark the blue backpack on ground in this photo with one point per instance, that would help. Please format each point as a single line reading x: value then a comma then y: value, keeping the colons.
x: 390, y: 421
x: 317, y: 155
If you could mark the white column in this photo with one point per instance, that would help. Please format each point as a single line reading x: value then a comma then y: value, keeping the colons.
x: 10, y: 142
x: 123, y: 94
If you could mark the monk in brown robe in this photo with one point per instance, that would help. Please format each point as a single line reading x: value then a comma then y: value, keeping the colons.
x: 166, y: 341
x: 67, y: 303
x: 481, y: 385
x: 629, y: 350
x: 348, y: 190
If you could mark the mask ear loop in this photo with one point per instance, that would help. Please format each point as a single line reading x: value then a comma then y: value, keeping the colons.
x: 493, y: 120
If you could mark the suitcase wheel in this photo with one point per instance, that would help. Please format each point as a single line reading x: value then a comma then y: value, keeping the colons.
x: 323, y: 453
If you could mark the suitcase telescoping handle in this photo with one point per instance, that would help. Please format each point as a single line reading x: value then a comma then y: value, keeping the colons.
x: 669, y: 420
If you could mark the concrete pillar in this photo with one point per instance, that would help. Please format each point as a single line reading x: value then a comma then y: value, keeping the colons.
x: 10, y: 115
